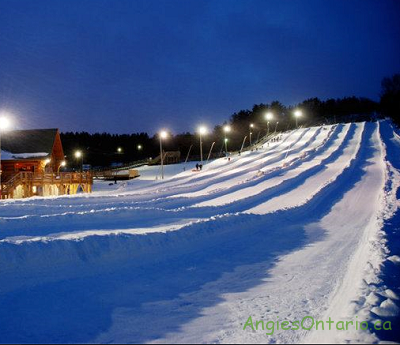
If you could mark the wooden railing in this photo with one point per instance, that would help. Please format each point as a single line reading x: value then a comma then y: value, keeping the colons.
x: 32, y: 179
x: 62, y: 178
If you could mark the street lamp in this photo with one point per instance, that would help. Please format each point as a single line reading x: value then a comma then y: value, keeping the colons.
x: 251, y: 126
x: 268, y: 116
x: 4, y: 124
x: 63, y: 164
x: 162, y: 135
x: 46, y: 163
x: 297, y: 114
x: 227, y: 129
x: 276, y: 126
x: 79, y: 155
x: 202, y: 131
x: 119, y: 149
x: 139, y: 147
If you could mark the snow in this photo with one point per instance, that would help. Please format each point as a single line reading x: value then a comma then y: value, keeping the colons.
x: 154, y: 172
x: 304, y: 226
x: 5, y: 155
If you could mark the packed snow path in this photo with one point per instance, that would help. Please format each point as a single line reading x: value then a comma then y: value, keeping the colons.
x: 293, y: 229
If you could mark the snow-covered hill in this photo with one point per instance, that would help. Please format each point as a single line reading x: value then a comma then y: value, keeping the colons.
x: 305, y: 226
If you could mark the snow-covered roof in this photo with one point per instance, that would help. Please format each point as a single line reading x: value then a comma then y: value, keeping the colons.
x: 5, y: 155
x: 27, y: 144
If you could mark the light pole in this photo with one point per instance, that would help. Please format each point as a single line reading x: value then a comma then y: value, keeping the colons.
x: 227, y: 129
x: 276, y: 126
x: 202, y: 131
x: 297, y: 114
x: 62, y: 165
x: 139, y: 148
x: 268, y: 116
x: 4, y: 124
x: 46, y: 163
x: 162, y: 135
x: 251, y: 132
x: 79, y: 155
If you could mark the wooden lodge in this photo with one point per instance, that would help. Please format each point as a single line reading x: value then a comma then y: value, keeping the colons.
x: 30, y: 166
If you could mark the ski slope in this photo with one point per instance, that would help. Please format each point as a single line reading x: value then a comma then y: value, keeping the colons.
x: 299, y: 227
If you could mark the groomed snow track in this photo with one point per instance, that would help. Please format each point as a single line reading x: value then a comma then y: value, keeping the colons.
x: 302, y: 227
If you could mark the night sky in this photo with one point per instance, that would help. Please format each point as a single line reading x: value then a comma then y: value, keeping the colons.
x: 132, y: 66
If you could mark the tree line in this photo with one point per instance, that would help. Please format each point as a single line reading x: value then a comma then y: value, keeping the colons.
x: 104, y: 149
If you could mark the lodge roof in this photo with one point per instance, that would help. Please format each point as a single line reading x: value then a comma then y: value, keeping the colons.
x: 32, y: 141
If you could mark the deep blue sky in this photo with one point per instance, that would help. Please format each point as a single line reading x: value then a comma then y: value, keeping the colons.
x: 131, y: 66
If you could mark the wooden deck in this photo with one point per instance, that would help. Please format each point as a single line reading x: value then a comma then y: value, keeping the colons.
x: 28, y: 184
